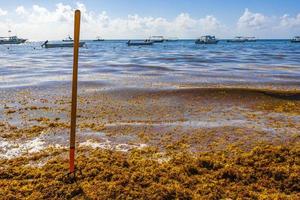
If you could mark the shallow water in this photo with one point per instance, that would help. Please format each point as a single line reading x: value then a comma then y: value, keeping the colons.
x: 114, y: 63
x: 11, y: 149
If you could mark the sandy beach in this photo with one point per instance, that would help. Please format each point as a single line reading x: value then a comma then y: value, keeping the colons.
x: 150, y: 100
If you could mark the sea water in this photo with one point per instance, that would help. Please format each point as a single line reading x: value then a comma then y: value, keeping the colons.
x: 112, y: 62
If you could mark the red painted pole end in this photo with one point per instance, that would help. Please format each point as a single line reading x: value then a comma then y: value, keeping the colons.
x: 72, y: 160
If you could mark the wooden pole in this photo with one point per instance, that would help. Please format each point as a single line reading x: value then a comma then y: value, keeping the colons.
x: 74, y: 90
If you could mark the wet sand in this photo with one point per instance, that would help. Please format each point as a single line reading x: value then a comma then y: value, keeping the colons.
x: 207, y: 119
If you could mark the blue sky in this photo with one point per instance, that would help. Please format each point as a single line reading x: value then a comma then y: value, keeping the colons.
x: 227, y: 9
x: 255, y: 17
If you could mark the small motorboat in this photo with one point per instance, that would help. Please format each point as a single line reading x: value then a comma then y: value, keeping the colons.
x: 99, y: 39
x: 12, y: 40
x: 46, y: 44
x: 296, y: 39
x: 207, y: 39
x: 139, y: 43
x: 157, y: 39
x: 238, y: 39
x: 68, y: 39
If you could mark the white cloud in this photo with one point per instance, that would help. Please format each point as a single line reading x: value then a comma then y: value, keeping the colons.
x: 40, y: 23
x: 184, y: 21
x: 290, y: 22
x: 3, y: 12
x: 210, y: 23
x: 20, y: 10
x: 251, y: 20
x: 263, y: 26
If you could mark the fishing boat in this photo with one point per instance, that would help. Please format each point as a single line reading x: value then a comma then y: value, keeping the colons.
x: 68, y: 39
x: 99, y: 39
x: 139, y: 43
x: 207, y: 39
x: 296, y: 39
x: 46, y: 44
x: 12, y: 40
x: 238, y: 39
x: 157, y: 39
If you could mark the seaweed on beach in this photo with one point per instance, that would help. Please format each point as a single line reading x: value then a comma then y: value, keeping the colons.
x: 265, y: 172
x: 257, y: 159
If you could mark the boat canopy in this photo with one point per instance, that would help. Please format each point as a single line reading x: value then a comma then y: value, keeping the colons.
x: 10, y: 37
x: 208, y: 37
x: 157, y: 37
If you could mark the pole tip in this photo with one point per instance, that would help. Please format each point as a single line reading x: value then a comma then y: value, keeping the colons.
x: 77, y: 11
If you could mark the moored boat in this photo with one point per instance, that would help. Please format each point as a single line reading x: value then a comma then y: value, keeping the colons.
x: 12, y: 40
x: 157, y: 39
x: 60, y: 45
x: 296, y: 39
x: 68, y: 39
x: 207, y: 39
x: 139, y: 43
x: 238, y: 39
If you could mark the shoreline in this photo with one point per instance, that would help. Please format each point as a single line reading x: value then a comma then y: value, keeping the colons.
x: 147, y: 116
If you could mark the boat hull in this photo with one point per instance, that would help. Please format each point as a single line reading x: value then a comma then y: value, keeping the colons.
x: 206, y: 42
x: 139, y: 43
x: 13, y: 42
x: 171, y: 40
x: 157, y: 41
x: 295, y: 41
x: 62, y: 45
x: 236, y: 41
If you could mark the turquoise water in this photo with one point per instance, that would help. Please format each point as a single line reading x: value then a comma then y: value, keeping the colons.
x: 182, y: 62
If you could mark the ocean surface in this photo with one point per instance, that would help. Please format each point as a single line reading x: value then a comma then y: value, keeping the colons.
x: 273, y: 62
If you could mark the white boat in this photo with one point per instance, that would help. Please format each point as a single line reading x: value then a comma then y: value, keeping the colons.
x: 139, y: 42
x: 157, y: 39
x: 238, y: 39
x: 296, y: 39
x: 68, y: 39
x: 46, y: 44
x: 12, y: 40
x: 207, y: 39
